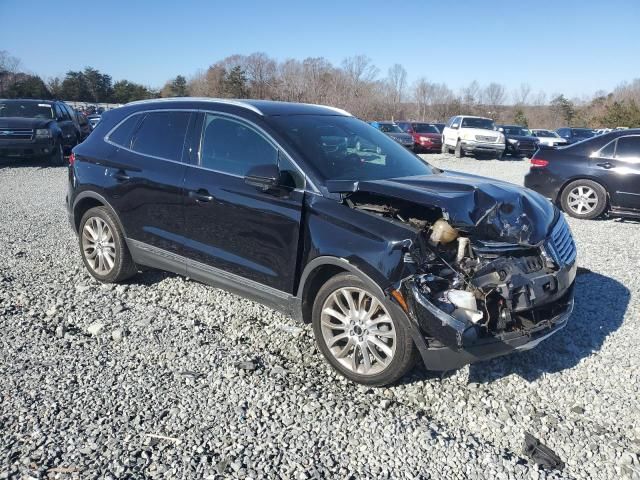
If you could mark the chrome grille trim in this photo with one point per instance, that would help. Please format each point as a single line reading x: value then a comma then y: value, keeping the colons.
x: 16, y: 133
x: 561, y: 245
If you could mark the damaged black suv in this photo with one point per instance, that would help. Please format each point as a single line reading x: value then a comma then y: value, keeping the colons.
x: 386, y: 256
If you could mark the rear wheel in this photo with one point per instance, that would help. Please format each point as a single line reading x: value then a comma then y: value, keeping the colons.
x: 357, y: 335
x: 103, y: 247
x: 459, y: 153
x: 584, y: 199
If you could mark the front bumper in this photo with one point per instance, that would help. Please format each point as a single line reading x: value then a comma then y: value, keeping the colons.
x: 515, y: 149
x: 26, y: 149
x: 473, y: 146
x: 451, y: 343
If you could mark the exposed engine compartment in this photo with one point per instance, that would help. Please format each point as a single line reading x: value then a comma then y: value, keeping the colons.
x: 490, y: 287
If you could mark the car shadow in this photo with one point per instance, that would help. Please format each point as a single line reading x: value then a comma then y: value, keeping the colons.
x: 149, y: 276
x: 600, y: 305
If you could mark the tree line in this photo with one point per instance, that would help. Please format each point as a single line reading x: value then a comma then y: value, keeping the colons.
x: 355, y: 85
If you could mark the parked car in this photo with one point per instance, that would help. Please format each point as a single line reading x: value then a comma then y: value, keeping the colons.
x: 395, y: 132
x: 93, y: 120
x: 548, y: 137
x: 586, y: 179
x: 519, y: 140
x: 426, y: 136
x: 472, y: 135
x: 573, y: 135
x: 37, y: 129
x: 386, y: 257
x: 83, y: 124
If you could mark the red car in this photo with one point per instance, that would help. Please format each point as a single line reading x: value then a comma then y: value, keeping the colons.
x: 426, y: 136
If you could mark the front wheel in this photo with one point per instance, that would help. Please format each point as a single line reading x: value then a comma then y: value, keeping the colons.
x: 57, y: 156
x: 459, y: 153
x: 103, y: 247
x: 584, y: 199
x: 357, y: 335
x: 444, y: 148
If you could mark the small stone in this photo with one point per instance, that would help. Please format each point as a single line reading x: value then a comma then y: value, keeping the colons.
x: 95, y: 328
x: 117, y: 335
x: 82, y: 288
x: 385, y: 404
x: 247, y: 365
x: 278, y: 370
x: 60, y: 331
x: 577, y: 409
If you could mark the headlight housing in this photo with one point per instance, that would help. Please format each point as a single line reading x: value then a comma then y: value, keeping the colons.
x: 43, y: 133
x: 512, y: 141
x: 425, y: 139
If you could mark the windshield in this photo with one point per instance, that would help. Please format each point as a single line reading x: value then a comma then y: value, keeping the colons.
x: 345, y: 148
x: 425, y: 128
x: 546, y: 133
x: 26, y: 109
x: 583, y: 132
x: 483, y: 123
x: 516, y: 131
x: 390, y: 128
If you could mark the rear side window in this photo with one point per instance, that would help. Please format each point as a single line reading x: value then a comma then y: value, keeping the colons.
x: 607, y: 150
x: 233, y: 147
x: 161, y: 134
x: 628, y: 148
x: 124, y: 132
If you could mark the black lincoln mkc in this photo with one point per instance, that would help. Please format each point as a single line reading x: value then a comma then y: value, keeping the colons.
x: 386, y: 256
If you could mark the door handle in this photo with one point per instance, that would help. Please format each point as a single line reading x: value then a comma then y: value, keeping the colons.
x: 200, y: 195
x: 121, y: 176
x: 606, y: 165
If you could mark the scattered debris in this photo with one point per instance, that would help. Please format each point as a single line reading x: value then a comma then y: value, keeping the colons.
x: 162, y: 437
x: 117, y: 335
x: 540, y: 453
x: 578, y: 409
x: 247, y: 365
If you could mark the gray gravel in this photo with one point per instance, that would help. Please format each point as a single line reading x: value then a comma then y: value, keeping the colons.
x: 163, y: 377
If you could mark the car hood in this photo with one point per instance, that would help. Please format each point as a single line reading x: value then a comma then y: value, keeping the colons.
x: 470, y: 132
x: 435, y: 136
x: 487, y: 209
x: 20, y: 122
x: 520, y: 138
x: 403, y: 137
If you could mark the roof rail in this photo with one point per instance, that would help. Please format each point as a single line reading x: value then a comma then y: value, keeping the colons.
x: 237, y: 103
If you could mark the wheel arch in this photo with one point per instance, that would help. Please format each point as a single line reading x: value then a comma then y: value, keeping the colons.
x: 87, y: 200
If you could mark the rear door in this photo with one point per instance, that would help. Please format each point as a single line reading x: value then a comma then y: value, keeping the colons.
x: 624, y: 172
x: 146, y: 174
x: 233, y: 227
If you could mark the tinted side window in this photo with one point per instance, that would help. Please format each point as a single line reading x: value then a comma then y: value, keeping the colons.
x: 123, y: 134
x: 161, y: 134
x: 233, y: 147
x: 68, y: 110
x: 628, y: 147
x: 59, y: 113
x: 607, y: 150
x: 290, y: 176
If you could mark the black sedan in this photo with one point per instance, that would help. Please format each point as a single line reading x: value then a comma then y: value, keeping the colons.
x: 573, y: 135
x: 590, y: 177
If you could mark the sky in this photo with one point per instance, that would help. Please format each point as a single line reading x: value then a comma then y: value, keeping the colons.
x: 568, y: 46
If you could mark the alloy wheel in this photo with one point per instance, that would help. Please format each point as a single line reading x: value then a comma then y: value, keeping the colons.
x: 98, y: 245
x: 358, y: 331
x: 582, y: 200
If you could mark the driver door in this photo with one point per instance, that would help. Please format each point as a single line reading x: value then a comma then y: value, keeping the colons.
x: 234, y: 230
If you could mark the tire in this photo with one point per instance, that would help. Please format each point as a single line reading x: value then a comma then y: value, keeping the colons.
x: 105, y: 247
x: 459, y: 153
x: 390, y: 354
x: 444, y: 148
x: 57, y: 156
x: 584, y: 199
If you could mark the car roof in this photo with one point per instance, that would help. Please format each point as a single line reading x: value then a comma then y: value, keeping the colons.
x: 32, y: 100
x: 473, y: 116
x: 261, y: 107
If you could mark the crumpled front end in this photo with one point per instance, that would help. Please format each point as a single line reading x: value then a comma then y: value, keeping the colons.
x: 476, y: 300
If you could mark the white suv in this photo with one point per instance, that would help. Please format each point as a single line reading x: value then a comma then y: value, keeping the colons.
x: 473, y: 135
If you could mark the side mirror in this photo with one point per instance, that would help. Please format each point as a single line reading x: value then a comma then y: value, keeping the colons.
x: 501, y: 129
x: 264, y: 177
x: 455, y: 125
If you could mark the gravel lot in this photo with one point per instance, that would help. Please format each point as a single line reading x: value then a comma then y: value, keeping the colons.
x: 166, y: 378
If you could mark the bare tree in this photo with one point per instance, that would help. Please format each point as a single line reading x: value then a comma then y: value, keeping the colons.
x: 521, y: 95
x: 494, y: 96
x: 397, y: 81
x: 261, y: 74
